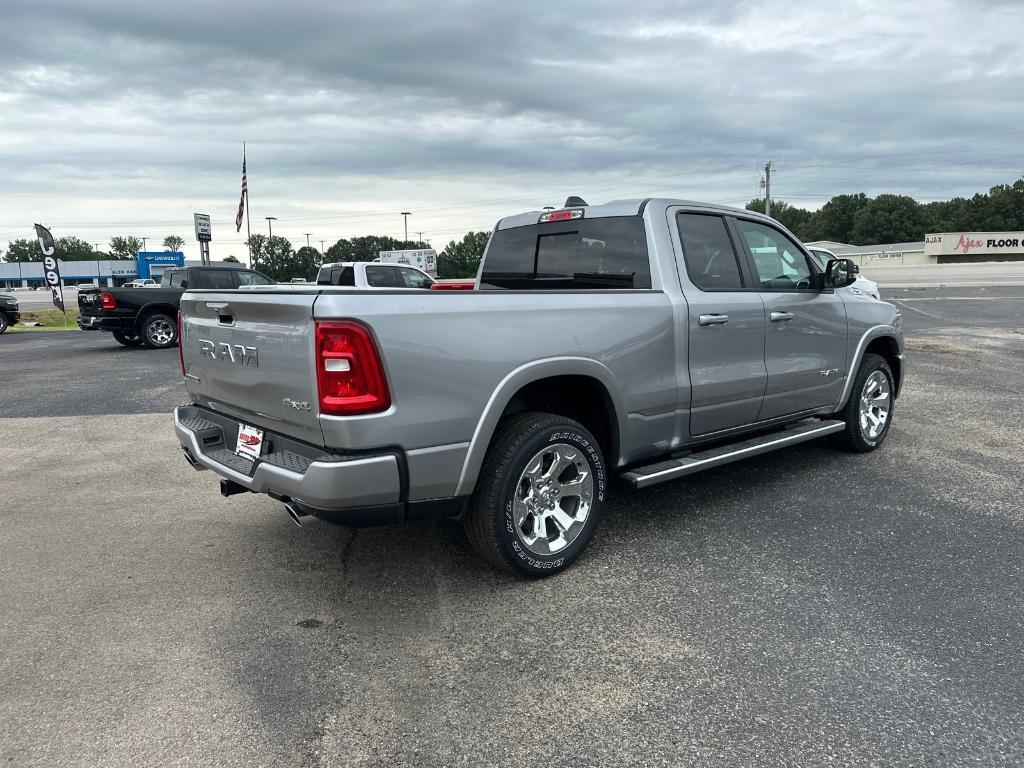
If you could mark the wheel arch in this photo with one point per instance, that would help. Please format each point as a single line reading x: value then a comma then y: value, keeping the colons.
x: 545, y: 385
x: 883, y: 340
x: 152, y: 308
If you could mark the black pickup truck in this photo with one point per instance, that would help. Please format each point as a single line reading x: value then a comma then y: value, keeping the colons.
x: 149, y: 316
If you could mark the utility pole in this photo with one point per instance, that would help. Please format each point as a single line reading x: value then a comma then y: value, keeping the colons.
x: 405, y: 220
x: 419, y: 237
x: 768, y: 189
x: 143, y: 244
x: 307, y: 234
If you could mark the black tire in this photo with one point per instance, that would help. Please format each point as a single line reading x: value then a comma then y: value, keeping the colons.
x: 158, y: 331
x: 854, y: 437
x: 4, y: 325
x: 128, y: 339
x: 490, y: 519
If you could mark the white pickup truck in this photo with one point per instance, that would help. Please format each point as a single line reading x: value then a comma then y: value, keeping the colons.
x: 373, y: 276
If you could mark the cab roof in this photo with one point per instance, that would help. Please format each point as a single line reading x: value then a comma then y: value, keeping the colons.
x: 630, y: 207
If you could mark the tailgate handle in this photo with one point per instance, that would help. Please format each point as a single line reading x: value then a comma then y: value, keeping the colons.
x: 225, y: 314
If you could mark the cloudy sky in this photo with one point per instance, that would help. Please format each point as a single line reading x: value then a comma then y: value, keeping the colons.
x: 125, y: 117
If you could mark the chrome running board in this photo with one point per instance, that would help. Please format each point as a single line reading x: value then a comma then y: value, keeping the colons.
x: 641, y: 477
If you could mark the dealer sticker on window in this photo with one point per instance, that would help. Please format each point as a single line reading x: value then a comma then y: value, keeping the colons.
x: 250, y: 441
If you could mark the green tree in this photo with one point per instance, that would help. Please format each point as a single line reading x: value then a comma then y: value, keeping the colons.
x: 462, y: 258
x: 790, y: 216
x: 23, y: 250
x: 889, y: 219
x: 837, y: 217
x: 307, y: 260
x: 367, y: 248
x: 274, y: 257
x: 174, y: 242
x: 232, y: 260
x: 125, y: 246
x: 71, y: 248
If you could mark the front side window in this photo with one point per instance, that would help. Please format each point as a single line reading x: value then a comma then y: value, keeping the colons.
x: 247, y: 277
x: 413, y: 278
x: 585, y: 254
x: 781, y: 265
x: 381, y: 277
x: 711, y: 260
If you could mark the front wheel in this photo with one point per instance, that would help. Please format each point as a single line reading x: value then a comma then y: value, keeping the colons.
x: 159, y: 331
x: 868, y: 412
x: 538, y: 499
x: 128, y: 339
x: 4, y: 325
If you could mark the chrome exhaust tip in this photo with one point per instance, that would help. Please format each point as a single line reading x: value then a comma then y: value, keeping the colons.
x: 295, y: 513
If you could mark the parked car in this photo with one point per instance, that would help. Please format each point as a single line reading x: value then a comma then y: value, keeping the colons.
x: 143, y: 283
x: 150, y: 317
x: 861, y: 285
x: 638, y: 340
x: 373, y: 276
x: 9, y: 313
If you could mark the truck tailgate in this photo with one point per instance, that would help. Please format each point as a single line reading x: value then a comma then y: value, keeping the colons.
x: 250, y: 355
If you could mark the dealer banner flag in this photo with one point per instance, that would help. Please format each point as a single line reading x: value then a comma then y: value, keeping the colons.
x: 51, y: 272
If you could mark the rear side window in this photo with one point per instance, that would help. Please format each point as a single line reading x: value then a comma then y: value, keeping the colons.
x: 381, y: 277
x: 711, y: 260
x: 215, y: 278
x: 585, y: 254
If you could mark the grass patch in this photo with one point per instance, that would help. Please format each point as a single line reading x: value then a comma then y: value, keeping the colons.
x: 51, y: 319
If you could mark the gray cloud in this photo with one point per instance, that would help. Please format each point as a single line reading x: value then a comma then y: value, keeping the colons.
x: 133, y: 113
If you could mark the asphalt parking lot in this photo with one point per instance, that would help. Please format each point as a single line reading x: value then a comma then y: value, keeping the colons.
x: 806, y: 608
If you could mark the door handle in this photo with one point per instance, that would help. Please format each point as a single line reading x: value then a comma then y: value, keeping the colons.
x: 714, y: 319
x: 781, y: 317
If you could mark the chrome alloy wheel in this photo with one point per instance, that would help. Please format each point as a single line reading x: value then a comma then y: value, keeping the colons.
x: 875, y: 405
x: 553, y: 499
x: 160, y: 332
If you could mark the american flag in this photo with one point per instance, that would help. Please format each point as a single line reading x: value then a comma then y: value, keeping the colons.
x: 241, y: 200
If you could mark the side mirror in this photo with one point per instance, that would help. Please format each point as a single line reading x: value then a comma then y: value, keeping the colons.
x: 840, y: 273
x: 184, y: 285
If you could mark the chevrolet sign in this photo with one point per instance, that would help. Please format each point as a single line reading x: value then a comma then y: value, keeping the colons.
x: 234, y: 353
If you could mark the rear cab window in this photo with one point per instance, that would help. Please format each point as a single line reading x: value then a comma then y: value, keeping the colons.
x: 602, y: 253
x: 248, y: 277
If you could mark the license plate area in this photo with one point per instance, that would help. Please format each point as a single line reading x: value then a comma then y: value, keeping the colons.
x: 249, y: 443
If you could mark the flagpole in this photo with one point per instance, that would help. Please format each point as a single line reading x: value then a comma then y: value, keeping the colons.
x: 248, y: 230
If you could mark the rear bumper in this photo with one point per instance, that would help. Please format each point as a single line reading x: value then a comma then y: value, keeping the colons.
x: 330, y: 482
x: 101, y: 323
x: 355, y: 490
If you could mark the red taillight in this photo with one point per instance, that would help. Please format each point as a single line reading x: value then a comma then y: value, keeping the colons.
x: 107, y: 301
x: 349, y: 372
x: 181, y: 346
x: 574, y: 213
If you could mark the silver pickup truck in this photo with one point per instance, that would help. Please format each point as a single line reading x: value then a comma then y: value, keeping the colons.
x: 643, y: 340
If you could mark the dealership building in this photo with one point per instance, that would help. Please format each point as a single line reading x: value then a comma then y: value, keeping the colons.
x: 941, y: 248
x: 109, y: 272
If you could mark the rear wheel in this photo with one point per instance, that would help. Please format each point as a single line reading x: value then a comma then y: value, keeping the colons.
x: 128, y: 339
x: 159, y: 331
x: 868, y: 413
x: 538, y: 499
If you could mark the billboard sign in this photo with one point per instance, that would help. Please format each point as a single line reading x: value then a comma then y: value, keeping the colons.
x: 974, y: 243
x: 204, y: 233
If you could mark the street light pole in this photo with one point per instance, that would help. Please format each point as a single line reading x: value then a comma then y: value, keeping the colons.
x: 321, y: 247
x: 270, y: 226
x: 405, y: 220
x: 307, y: 234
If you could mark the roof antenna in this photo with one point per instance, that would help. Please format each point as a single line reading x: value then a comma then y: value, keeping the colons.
x: 575, y: 202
